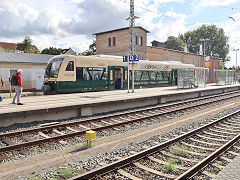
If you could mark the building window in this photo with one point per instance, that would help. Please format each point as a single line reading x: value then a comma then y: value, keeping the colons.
x: 141, y: 41
x: 136, y: 38
x: 109, y: 42
x: 114, y: 41
x: 70, y: 66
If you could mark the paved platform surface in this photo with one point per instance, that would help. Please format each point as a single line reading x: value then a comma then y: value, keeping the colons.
x: 231, y: 171
x: 68, y: 100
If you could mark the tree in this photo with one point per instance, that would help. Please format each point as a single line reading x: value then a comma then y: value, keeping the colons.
x: 52, y: 51
x: 26, y: 46
x: 216, y: 45
x: 6, y: 50
x: 91, y: 50
x: 2, y: 50
x: 222, y: 65
x: 174, y: 43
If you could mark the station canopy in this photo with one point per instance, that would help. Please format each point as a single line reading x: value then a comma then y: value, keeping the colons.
x: 225, y: 77
x: 192, y: 77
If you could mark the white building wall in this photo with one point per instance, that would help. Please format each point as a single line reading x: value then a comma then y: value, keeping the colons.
x: 34, y: 77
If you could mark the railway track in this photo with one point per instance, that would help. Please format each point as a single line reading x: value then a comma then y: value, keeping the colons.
x: 58, y: 133
x: 181, y: 157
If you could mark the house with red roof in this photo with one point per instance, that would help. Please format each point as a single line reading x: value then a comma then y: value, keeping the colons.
x: 13, y: 46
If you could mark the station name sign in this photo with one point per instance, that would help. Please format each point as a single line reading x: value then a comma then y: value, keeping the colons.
x: 130, y: 58
x: 157, y: 67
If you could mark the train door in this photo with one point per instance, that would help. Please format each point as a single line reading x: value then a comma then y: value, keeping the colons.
x: 174, y: 78
x: 118, y: 77
x: 115, y: 77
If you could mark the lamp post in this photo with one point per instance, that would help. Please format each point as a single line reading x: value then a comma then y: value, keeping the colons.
x: 204, y: 53
x: 236, y: 55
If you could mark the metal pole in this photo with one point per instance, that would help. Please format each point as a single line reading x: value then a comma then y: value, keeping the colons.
x: 204, y: 53
x: 128, y: 75
x: 10, y: 87
x: 236, y: 58
x: 132, y: 49
x: 133, y: 77
x: 204, y: 77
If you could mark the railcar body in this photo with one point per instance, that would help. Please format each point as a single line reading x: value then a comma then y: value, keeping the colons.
x: 67, y: 73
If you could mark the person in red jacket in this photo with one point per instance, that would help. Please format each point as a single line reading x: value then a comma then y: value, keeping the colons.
x: 18, y: 88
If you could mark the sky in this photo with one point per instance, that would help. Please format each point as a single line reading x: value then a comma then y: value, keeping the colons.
x: 72, y: 23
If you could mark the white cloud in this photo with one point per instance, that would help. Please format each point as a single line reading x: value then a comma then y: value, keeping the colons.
x: 231, y: 29
x: 78, y: 43
x: 168, y: 1
x: 213, y: 3
x: 70, y: 23
x: 168, y: 24
x: 77, y: 1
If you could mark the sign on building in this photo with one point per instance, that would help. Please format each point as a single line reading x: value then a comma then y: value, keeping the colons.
x: 207, y: 64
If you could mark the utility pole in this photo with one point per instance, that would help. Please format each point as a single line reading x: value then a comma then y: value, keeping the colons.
x: 236, y: 56
x: 132, y: 42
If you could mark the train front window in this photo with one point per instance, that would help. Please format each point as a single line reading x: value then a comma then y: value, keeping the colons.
x: 70, y: 66
x: 53, y: 67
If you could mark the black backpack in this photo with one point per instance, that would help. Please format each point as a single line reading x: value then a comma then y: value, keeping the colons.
x: 14, y: 80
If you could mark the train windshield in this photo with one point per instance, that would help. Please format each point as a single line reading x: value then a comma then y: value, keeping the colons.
x: 53, y: 67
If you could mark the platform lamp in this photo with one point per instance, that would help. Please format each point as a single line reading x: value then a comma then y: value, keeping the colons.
x: 236, y: 56
x: 204, y: 54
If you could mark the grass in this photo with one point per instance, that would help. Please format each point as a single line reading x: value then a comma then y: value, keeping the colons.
x: 66, y: 173
x: 180, y: 159
x: 157, y: 167
x: 178, y: 150
x: 86, y: 145
x: 173, y: 161
x: 170, y: 166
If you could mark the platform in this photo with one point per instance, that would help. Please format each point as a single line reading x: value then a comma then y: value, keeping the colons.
x: 231, y: 171
x: 62, y: 106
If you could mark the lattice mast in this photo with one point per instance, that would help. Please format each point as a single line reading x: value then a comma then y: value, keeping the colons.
x: 132, y: 45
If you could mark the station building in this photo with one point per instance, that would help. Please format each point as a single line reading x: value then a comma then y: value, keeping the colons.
x: 116, y: 42
x: 33, y: 66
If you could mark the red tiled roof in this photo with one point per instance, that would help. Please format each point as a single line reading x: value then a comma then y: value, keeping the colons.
x: 8, y: 46
x: 12, y: 46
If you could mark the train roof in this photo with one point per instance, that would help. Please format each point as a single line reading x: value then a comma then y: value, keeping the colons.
x: 118, y: 59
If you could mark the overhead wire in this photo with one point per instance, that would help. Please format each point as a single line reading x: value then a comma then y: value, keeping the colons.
x: 146, y: 9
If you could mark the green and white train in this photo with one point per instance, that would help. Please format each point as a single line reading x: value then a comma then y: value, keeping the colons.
x: 67, y: 73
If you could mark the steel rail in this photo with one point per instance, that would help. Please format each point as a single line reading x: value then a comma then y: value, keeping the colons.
x: 117, y: 164
x: 192, y: 171
x: 36, y: 142
x: 18, y: 133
